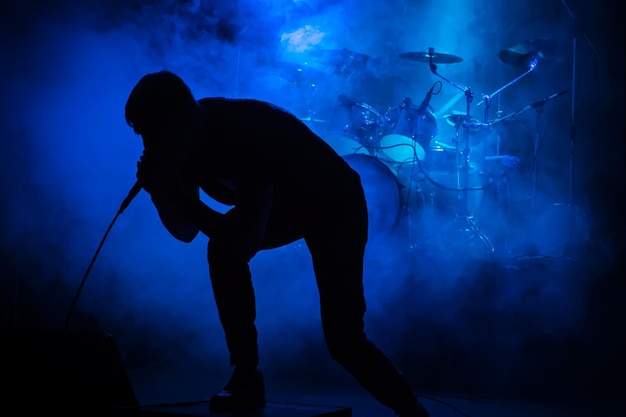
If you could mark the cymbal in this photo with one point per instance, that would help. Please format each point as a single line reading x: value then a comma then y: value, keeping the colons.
x: 458, y: 120
x: 523, y: 53
x: 435, y: 144
x: 434, y: 57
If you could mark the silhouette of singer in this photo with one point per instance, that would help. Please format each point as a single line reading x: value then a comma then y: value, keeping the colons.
x: 283, y: 183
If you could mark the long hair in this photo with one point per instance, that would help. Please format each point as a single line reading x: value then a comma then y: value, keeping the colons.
x: 157, y: 99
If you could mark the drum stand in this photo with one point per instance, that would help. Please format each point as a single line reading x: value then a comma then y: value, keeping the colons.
x: 466, y: 220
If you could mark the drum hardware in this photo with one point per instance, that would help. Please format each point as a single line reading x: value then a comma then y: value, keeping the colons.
x: 532, y: 64
x: 511, y: 161
x: 443, y: 157
x: 538, y: 106
x: 525, y: 54
x: 508, y: 161
x: 435, y: 194
x: 301, y: 74
x: 474, y: 126
x: 306, y: 78
x: 468, y: 223
x: 409, y: 130
x: 313, y: 120
x: 353, y: 127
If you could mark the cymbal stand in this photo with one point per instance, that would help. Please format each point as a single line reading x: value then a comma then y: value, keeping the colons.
x: 465, y: 167
x: 532, y: 64
x: 538, y: 106
x: 487, y: 98
x: 531, y: 67
x: 311, y: 103
x: 499, y: 178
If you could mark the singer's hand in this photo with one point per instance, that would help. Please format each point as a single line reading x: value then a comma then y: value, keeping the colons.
x: 155, y: 173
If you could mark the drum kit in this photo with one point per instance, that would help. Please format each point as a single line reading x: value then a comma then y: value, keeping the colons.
x: 432, y: 189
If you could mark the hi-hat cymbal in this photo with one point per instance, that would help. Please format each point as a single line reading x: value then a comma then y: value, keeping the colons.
x: 458, y: 119
x: 523, y: 53
x: 428, y: 57
x: 474, y: 126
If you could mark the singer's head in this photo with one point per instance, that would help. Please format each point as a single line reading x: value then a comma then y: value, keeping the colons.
x: 161, y: 108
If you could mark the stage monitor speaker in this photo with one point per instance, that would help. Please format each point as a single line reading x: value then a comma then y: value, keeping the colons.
x: 63, y: 371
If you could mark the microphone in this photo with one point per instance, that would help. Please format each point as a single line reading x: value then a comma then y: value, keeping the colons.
x: 131, y: 195
x: 422, y: 108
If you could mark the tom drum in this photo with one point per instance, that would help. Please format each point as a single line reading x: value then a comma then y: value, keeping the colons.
x: 407, y: 134
x: 353, y: 128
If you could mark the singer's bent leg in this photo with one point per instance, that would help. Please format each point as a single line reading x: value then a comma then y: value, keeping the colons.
x: 234, y: 296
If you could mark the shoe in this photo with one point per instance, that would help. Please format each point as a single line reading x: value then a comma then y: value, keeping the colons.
x: 244, y: 392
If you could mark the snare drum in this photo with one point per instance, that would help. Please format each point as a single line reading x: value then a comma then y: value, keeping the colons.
x: 407, y: 134
x: 441, y: 157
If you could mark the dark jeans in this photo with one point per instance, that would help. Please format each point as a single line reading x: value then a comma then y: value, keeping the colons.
x: 336, y: 241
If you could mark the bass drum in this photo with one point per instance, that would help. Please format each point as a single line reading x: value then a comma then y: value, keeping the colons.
x: 382, y: 192
x: 407, y: 134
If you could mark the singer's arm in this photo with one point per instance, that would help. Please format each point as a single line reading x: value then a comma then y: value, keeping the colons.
x: 178, y: 202
x: 174, y: 216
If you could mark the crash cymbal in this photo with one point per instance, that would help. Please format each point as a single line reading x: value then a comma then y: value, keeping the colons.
x: 428, y: 57
x: 523, y: 53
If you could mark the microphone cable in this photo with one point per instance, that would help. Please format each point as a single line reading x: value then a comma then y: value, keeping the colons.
x: 133, y: 192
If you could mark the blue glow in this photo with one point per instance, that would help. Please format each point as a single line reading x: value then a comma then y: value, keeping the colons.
x: 69, y: 160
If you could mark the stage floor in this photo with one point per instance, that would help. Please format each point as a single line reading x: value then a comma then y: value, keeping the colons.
x: 299, y: 399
